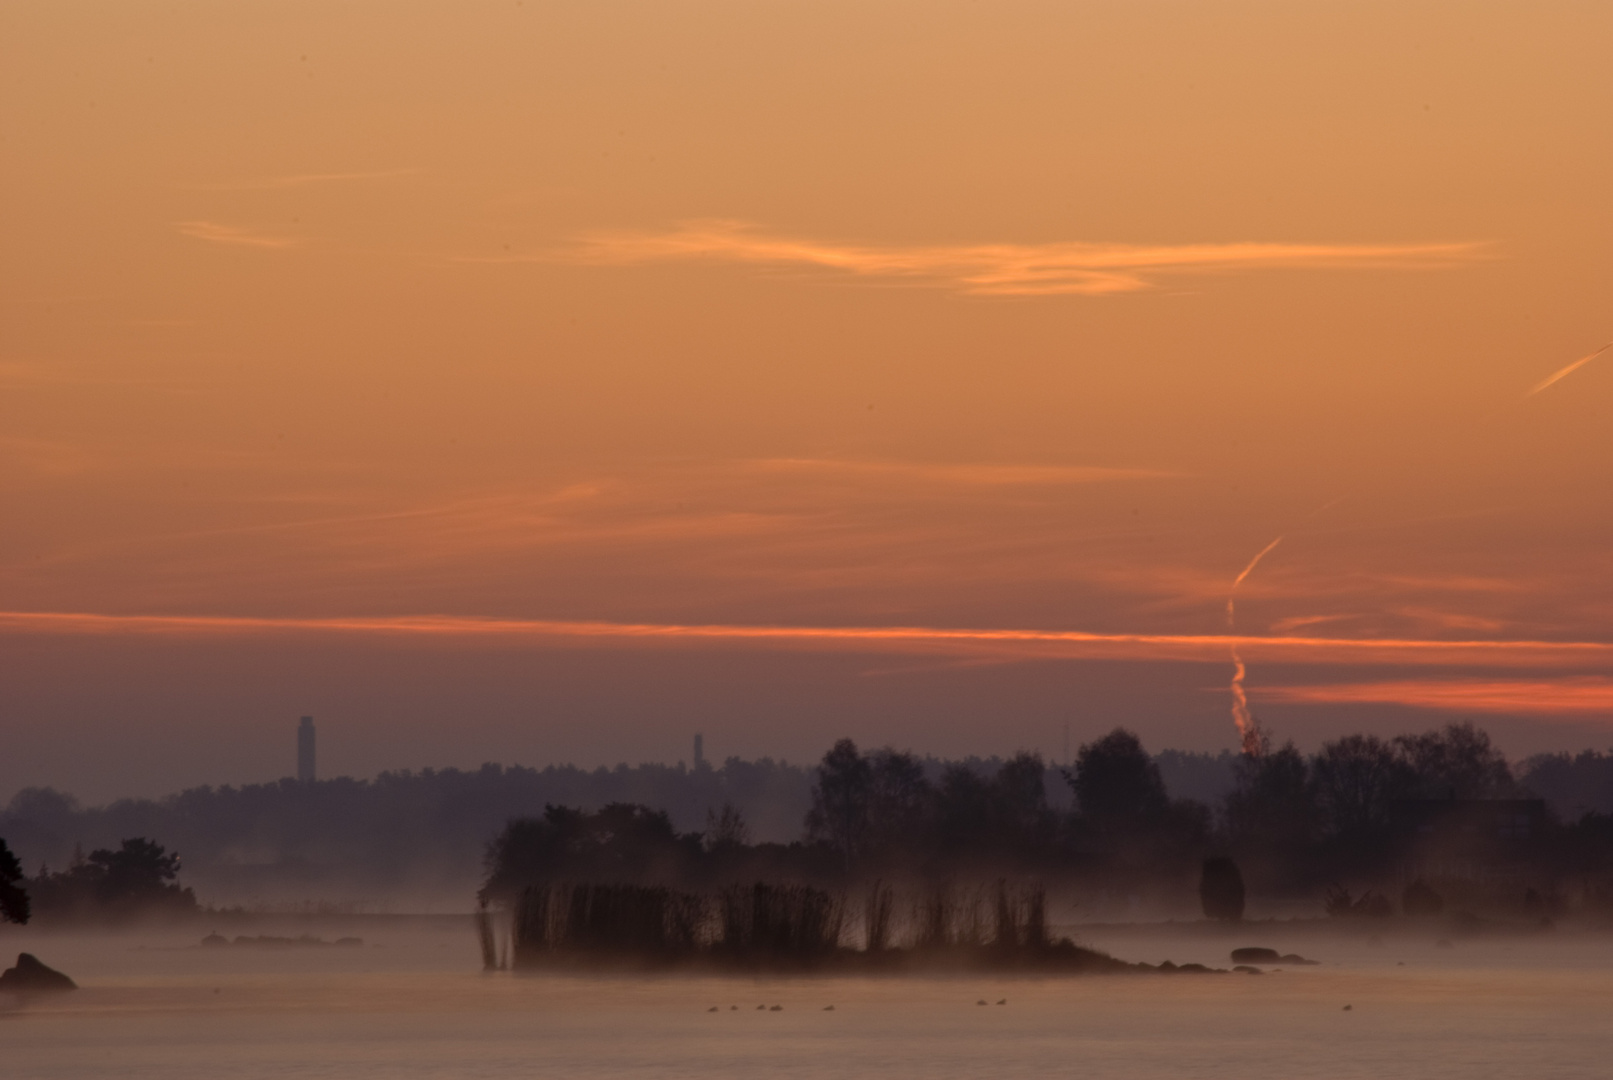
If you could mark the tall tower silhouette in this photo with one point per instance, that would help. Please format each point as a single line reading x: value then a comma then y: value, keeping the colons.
x: 699, y: 751
x: 305, y: 750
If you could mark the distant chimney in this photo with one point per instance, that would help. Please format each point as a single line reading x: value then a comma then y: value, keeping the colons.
x: 305, y: 750
x: 699, y: 751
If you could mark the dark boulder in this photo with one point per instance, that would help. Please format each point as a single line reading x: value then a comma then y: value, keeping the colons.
x: 30, y: 976
x: 1253, y: 955
x: 1256, y: 955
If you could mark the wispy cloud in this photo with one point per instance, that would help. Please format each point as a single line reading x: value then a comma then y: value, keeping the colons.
x: 1050, y: 269
x: 1071, y: 644
x: 970, y: 475
x: 1452, y: 620
x: 215, y: 233
x: 1580, y: 694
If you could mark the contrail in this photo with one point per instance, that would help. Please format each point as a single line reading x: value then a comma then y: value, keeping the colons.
x: 1253, y: 740
x: 1254, y: 562
x: 1567, y: 371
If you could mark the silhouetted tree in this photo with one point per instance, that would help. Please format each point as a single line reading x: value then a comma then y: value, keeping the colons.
x: 1125, y: 815
x: 1117, y: 785
x: 619, y: 843
x: 13, y: 897
x: 963, y: 809
x: 1019, y: 800
x: 1457, y: 762
x: 901, y: 804
x: 1001, y: 816
x: 1356, y: 779
x: 138, y: 870
x: 1271, y: 809
x: 839, y: 814
x: 134, y: 879
x: 725, y: 829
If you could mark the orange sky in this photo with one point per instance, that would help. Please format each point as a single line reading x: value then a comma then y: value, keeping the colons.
x: 951, y: 316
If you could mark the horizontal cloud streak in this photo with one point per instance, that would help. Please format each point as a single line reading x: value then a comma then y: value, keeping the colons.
x: 1052, y: 644
x: 968, y: 475
x: 1066, y: 268
x: 229, y: 234
x: 1571, y: 695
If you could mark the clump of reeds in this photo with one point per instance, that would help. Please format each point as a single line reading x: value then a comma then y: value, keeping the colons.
x: 934, y: 917
x: 484, y: 934
x: 1021, y: 917
x: 969, y: 922
x: 1034, y: 933
x: 1003, y: 917
x: 622, y: 920
x: 1007, y: 918
x: 781, y: 922
x: 877, y: 918
x: 530, y: 926
x: 768, y: 924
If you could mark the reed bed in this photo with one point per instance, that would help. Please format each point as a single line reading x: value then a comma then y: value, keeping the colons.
x: 788, y: 927
x: 1002, y: 916
x: 877, y: 913
x: 781, y: 921
x: 484, y: 937
x: 628, y: 920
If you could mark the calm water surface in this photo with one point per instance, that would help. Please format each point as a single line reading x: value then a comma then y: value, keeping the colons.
x: 411, y: 1004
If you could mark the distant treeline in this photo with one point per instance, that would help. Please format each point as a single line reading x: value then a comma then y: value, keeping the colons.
x: 411, y: 836
x: 402, y: 838
x: 1385, y: 815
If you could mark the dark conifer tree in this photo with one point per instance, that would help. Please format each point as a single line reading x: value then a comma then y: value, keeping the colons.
x: 14, y: 904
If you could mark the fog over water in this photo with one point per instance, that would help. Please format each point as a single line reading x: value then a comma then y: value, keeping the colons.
x: 412, y: 1003
x: 516, y: 517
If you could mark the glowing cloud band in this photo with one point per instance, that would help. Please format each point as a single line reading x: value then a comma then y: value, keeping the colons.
x: 1051, y: 644
x: 1060, y: 268
x: 1568, y: 696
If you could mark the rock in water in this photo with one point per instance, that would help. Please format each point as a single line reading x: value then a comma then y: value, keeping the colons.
x: 1267, y: 956
x: 30, y: 975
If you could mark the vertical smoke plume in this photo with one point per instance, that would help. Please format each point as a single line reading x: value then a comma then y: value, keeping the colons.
x: 1250, y: 735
